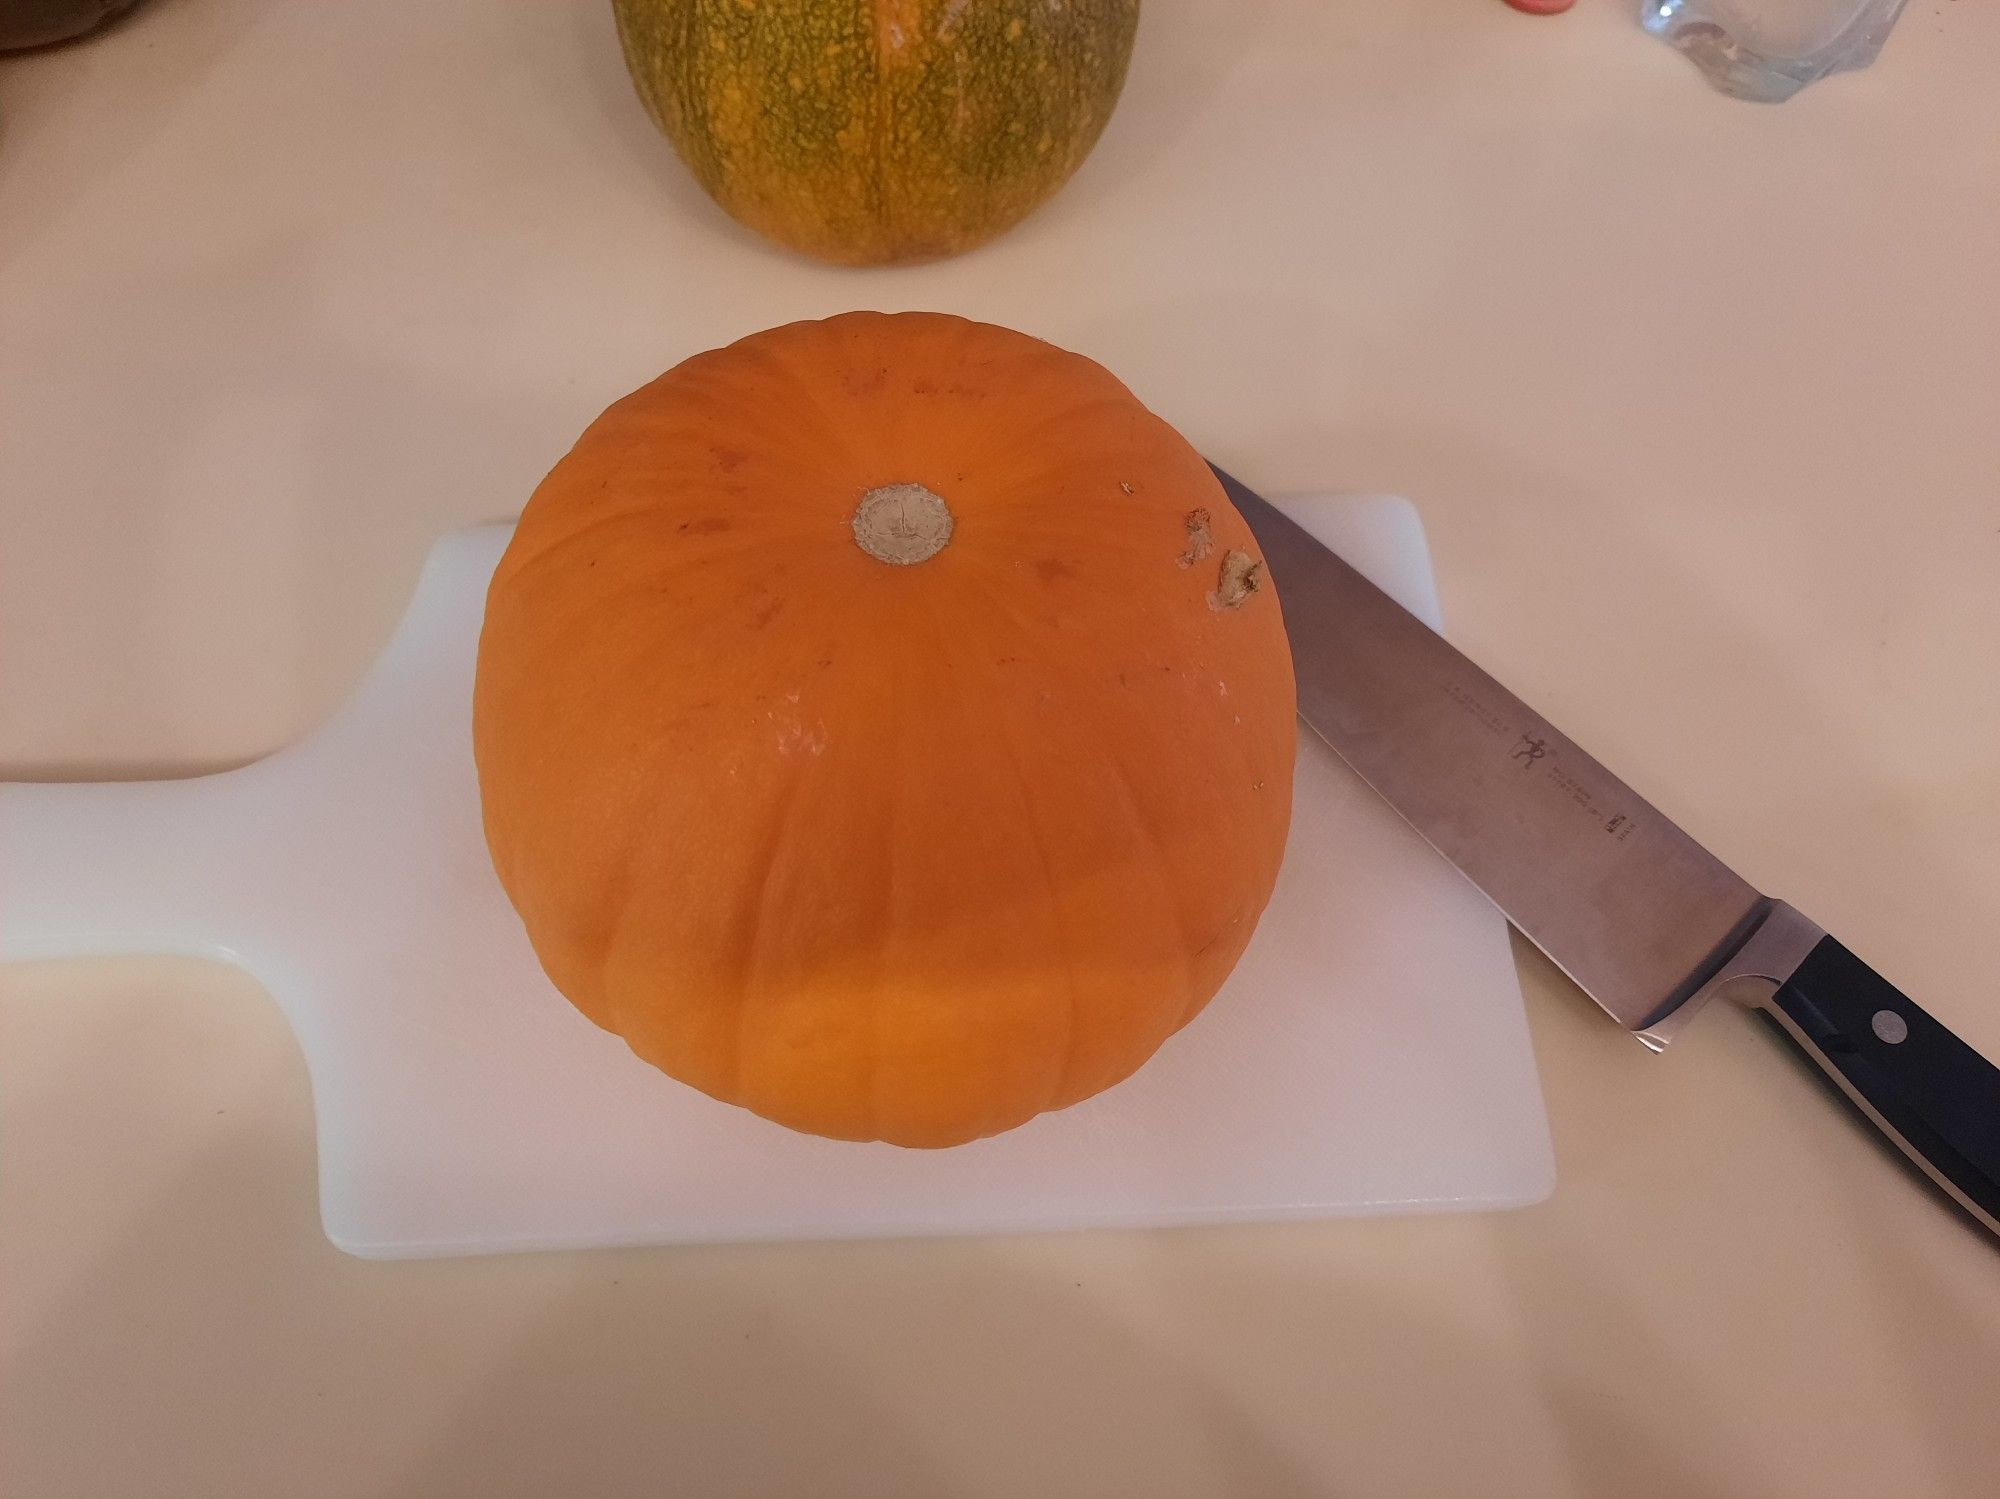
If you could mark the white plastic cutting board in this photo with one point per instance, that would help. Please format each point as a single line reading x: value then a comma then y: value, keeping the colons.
x: 1368, y: 1055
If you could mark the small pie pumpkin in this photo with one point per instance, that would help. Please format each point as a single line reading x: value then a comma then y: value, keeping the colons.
x: 872, y: 131
x: 885, y: 724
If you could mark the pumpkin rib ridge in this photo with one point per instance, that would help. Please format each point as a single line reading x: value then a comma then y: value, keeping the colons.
x: 649, y: 513
x: 1119, y: 775
x: 1058, y: 1088
x: 616, y: 995
x: 892, y: 881
x: 749, y: 964
x: 773, y: 355
x: 613, y: 997
x: 1066, y: 1054
x: 1002, y: 734
x: 547, y: 546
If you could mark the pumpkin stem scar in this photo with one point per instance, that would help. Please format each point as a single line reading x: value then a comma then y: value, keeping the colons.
x: 902, y: 524
x: 1242, y: 575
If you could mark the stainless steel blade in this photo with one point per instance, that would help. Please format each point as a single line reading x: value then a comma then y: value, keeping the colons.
x: 1641, y: 916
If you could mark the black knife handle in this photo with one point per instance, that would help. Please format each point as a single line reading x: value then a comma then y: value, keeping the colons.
x: 1933, y: 1095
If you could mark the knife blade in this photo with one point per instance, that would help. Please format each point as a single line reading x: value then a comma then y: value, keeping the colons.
x: 1645, y: 920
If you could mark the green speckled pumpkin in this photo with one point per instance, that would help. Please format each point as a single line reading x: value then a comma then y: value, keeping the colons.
x: 874, y: 131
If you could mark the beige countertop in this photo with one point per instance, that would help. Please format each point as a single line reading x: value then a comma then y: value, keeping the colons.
x: 1698, y: 401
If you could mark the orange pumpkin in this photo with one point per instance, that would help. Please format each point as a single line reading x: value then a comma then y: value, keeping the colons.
x: 885, y: 724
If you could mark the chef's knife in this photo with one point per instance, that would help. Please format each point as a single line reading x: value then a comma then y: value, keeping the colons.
x: 1644, y: 919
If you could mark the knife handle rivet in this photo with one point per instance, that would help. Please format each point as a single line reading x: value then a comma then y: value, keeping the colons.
x: 1889, y: 1026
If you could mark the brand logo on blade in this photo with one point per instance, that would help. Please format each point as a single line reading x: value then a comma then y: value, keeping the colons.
x: 1531, y: 750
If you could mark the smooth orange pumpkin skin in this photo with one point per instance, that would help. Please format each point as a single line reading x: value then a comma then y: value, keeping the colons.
x: 908, y: 853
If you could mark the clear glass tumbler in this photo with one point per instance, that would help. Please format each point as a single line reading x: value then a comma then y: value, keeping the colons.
x: 1770, y: 49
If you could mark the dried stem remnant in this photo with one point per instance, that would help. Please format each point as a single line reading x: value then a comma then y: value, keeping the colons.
x: 1200, y: 542
x: 1242, y: 575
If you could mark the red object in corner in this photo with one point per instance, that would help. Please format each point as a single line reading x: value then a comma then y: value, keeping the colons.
x: 1542, y: 7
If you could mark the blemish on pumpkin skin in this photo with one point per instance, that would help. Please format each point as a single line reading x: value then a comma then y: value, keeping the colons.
x: 1241, y: 576
x: 730, y: 459
x: 1200, y: 542
x: 1053, y: 569
x: 707, y: 525
x: 895, y: 24
x: 794, y: 736
x: 766, y: 614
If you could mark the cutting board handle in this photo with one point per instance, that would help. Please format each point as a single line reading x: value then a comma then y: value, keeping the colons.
x: 90, y: 869
x: 201, y: 865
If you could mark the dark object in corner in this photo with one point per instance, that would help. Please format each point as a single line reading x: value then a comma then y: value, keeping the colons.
x: 36, y: 23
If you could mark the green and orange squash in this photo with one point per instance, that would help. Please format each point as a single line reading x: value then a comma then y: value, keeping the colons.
x: 885, y: 724
x: 874, y: 131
